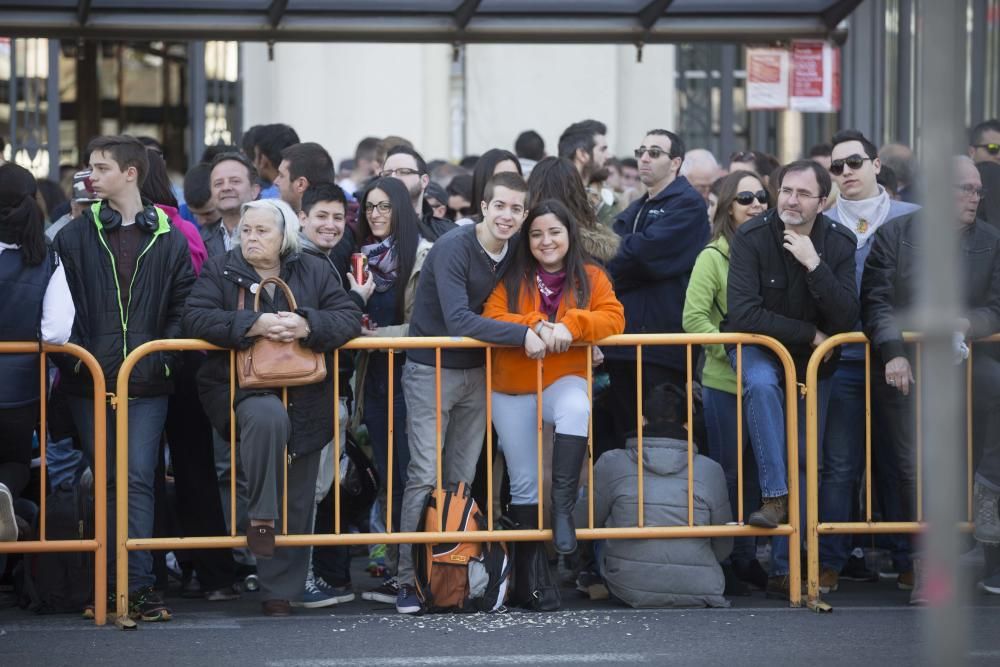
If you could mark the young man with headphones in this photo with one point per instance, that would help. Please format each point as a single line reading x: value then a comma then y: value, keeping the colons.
x: 129, y: 272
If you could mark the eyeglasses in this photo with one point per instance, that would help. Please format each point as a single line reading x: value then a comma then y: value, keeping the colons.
x: 992, y: 149
x: 746, y: 197
x: 402, y: 171
x: 970, y: 190
x: 654, y: 152
x: 799, y: 194
x: 382, y: 206
x: 852, y: 161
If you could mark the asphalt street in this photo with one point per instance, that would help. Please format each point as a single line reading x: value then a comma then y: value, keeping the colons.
x: 871, y: 623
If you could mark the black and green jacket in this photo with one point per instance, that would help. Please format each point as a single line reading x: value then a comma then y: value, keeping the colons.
x: 160, y: 285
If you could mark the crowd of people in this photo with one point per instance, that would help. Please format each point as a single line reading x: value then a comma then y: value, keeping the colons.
x: 270, y: 241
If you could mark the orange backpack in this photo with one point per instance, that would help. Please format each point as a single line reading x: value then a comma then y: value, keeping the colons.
x: 459, y: 576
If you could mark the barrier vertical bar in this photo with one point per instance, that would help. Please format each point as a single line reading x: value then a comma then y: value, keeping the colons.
x: 690, y: 433
x: 539, y: 429
x: 232, y: 443
x: 920, y: 433
x: 812, y: 481
x: 284, y: 484
x: 794, y: 518
x: 391, y: 432
x: 100, y: 496
x: 43, y: 395
x: 968, y: 435
x: 739, y: 433
x: 590, y: 438
x: 437, y: 440
x: 638, y: 425
x: 120, y: 403
x: 868, y: 432
x: 336, y: 438
x: 489, y: 439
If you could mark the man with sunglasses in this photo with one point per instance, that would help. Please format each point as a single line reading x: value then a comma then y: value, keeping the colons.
x: 863, y: 207
x: 661, y: 236
x: 791, y: 277
x: 888, y: 292
x: 984, y: 142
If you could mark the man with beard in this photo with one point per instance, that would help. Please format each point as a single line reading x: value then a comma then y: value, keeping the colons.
x: 792, y: 277
x: 585, y: 144
x: 234, y: 182
x: 407, y: 165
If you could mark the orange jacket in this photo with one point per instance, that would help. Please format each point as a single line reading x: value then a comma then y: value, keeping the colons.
x: 514, y: 372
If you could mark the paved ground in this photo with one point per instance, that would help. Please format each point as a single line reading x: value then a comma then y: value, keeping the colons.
x: 871, y: 623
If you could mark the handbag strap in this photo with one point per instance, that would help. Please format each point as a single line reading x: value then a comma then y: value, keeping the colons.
x: 280, y: 284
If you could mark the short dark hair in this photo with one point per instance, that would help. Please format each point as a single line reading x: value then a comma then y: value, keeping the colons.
x: 822, y: 175
x: 483, y: 171
x: 886, y: 177
x: 367, y: 149
x: 320, y: 192
x: 210, y: 152
x: 676, y: 143
x: 580, y: 135
x: 665, y: 405
x: 530, y: 145
x: 270, y: 140
x: 198, y: 185
x: 468, y: 162
x: 408, y: 150
x: 630, y: 162
x: 976, y: 135
x: 842, y: 137
x: 124, y: 149
x: 820, y: 150
x: 461, y: 186
x: 252, y: 175
x: 248, y: 142
x: 156, y: 186
x: 309, y: 160
x: 505, y: 179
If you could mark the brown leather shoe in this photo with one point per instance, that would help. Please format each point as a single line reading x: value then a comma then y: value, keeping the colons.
x: 277, y: 608
x: 260, y: 541
x: 772, y: 513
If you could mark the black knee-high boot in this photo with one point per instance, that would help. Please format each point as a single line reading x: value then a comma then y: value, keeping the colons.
x: 534, y: 585
x: 567, y: 457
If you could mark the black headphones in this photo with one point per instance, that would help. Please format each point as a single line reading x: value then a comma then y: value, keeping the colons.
x: 148, y: 219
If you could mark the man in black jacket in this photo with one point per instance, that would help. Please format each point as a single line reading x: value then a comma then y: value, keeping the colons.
x: 791, y: 277
x: 408, y: 165
x: 129, y: 272
x: 888, y: 288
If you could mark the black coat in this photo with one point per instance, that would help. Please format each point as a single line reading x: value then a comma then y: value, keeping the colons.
x: 162, y: 280
x: 212, y: 315
x: 889, y: 283
x: 771, y: 293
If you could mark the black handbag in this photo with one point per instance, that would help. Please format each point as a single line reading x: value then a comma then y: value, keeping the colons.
x: 534, y: 586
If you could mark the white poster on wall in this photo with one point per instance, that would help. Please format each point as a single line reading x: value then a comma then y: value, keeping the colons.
x: 767, y: 79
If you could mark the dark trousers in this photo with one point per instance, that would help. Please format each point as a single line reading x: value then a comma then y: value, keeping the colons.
x: 332, y: 564
x: 16, y: 428
x: 623, y: 391
x: 199, y: 508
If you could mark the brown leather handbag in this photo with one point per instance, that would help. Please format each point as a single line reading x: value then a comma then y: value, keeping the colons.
x: 269, y: 364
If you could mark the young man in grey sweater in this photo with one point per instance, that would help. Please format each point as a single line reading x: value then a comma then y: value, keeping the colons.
x: 459, y: 274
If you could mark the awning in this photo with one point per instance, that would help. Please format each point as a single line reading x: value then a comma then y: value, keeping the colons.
x: 450, y: 21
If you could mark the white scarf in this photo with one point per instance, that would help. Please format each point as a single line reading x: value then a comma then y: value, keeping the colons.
x: 864, y: 216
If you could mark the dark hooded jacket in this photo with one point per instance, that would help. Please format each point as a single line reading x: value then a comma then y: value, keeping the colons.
x: 212, y: 314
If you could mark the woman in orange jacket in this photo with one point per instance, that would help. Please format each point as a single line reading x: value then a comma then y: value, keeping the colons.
x: 553, y: 286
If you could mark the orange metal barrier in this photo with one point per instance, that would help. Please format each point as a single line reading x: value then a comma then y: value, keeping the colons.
x: 813, y: 526
x: 97, y: 544
x: 390, y: 346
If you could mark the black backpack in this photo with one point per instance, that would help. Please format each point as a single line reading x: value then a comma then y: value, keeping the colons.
x: 55, y: 583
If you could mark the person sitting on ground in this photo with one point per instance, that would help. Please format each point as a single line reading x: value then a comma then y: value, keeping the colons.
x: 678, y: 572
x: 553, y: 287
x: 326, y: 318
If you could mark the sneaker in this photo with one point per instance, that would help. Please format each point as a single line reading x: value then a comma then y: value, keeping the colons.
x: 991, y: 584
x: 407, y: 601
x: 828, y: 580
x: 919, y: 593
x: 8, y: 522
x: 315, y: 598
x: 251, y: 583
x: 987, y: 529
x: 341, y: 594
x: 856, y: 570
x: 147, y: 605
x: 222, y: 594
x: 778, y: 587
x: 772, y: 513
x: 592, y: 585
x: 387, y: 593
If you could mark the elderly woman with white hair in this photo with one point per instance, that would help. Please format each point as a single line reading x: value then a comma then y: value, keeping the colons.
x: 267, y: 245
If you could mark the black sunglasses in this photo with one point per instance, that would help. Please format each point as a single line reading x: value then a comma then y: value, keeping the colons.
x: 852, y: 161
x: 746, y: 197
x: 992, y: 149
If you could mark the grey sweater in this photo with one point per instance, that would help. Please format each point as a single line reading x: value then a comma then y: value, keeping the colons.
x: 457, y: 278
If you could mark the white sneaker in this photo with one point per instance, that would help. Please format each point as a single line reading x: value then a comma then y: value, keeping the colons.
x: 8, y: 523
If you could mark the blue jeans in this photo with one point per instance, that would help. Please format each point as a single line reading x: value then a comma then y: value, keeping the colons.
x: 720, y: 422
x: 843, y: 458
x: 146, y: 417
x: 764, y: 398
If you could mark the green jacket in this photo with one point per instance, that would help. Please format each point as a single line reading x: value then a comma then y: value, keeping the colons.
x: 705, y: 306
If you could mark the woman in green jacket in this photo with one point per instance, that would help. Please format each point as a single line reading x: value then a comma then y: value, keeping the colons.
x: 742, y: 196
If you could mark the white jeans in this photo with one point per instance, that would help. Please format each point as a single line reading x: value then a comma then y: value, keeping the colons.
x: 565, y: 404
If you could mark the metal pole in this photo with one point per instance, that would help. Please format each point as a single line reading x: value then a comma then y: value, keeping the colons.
x: 942, y: 83
x: 904, y: 75
x: 977, y: 63
x: 13, y: 100
x: 52, y: 110
x: 726, y: 140
x: 196, y: 100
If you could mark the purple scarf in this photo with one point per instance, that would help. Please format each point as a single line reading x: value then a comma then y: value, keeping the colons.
x: 550, y: 288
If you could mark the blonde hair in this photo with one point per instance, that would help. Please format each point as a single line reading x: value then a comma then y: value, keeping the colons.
x: 285, y: 218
